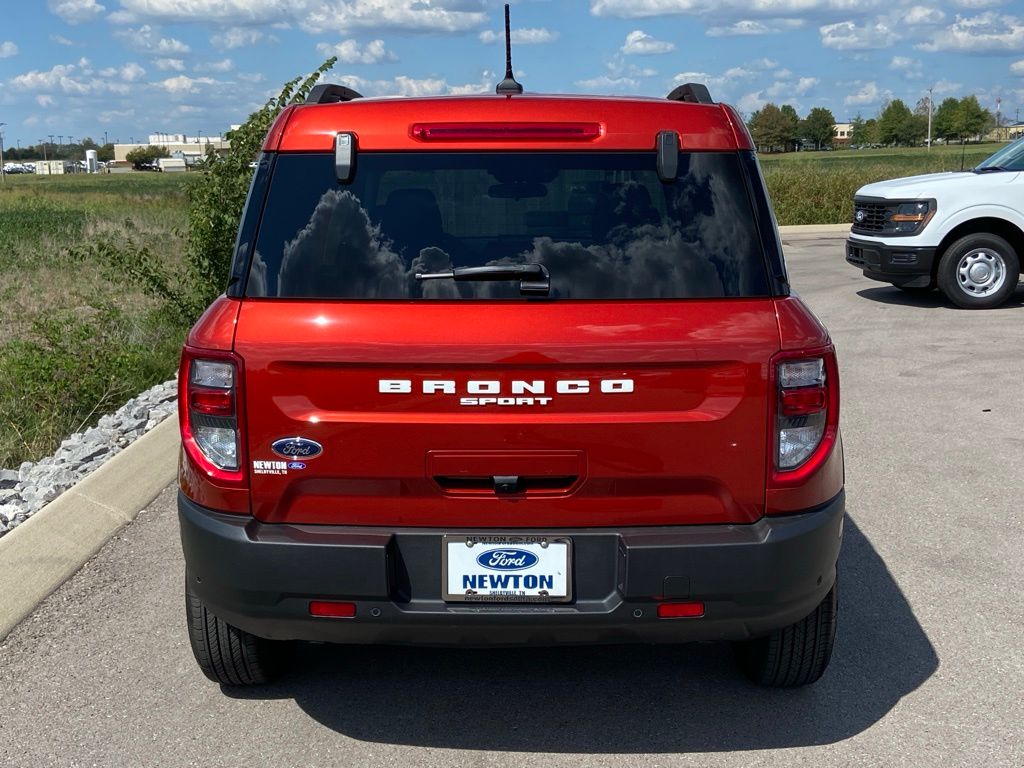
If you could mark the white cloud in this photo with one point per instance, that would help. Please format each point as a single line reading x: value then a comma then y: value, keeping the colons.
x: 238, y: 37
x: 523, y: 36
x: 76, y: 11
x: 607, y: 84
x: 920, y: 14
x: 848, y: 36
x: 640, y: 43
x: 44, y: 100
x: 988, y: 32
x: 910, y: 68
x: 1017, y: 68
x: 632, y: 9
x: 350, y: 52
x: 225, y: 65
x: 177, y: 65
x: 868, y: 93
x: 147, y: 39
x: 70, y: 79
x: 130, y: 72
x: 318, y: 16
x: 8, y: 49
x: 749, y: 28
x: 402, y: 85
x: 183, y: 84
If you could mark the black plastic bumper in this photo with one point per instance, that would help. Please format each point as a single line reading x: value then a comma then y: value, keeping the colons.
x: 909, y: 266
x: 752, y: 579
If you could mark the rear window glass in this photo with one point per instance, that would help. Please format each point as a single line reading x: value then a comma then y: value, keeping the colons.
x: 603, y: 225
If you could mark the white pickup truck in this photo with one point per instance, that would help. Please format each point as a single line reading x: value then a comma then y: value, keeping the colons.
x: 960, y: 232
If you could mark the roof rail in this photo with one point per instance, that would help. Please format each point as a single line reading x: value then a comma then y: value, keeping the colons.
x: 695, y: 93
x: 331, y: 93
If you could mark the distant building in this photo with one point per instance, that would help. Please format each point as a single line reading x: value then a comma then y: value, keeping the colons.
x: 190, y: 148
x: 842, y: 132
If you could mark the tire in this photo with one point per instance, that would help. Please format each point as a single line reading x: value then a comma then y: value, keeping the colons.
x: 226, y: 654
x: 795, y: 655
x: 979, y: 271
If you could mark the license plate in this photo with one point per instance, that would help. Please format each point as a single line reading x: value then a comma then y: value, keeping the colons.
x: 506, y: 569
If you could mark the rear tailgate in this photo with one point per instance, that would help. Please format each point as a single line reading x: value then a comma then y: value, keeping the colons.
x: 508, y: 414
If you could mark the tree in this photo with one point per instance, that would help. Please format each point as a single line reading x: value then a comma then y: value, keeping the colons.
x: 946, y: 119
x: 895, y: 124
x: 819, y: 126
x: 975, y: 120
x: 146, y: 154
x: 770, y: 128
x: 105, y: 153
x: 793, y: 125
x: 859, y: 132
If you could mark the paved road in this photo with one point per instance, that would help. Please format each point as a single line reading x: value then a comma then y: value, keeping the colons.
x: 928, y: 669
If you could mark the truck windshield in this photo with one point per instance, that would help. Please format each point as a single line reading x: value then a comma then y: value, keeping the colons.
x: 1009, y: 158
x: 602, y: 224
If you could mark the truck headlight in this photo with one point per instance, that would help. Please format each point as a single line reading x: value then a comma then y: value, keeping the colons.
x: 909, y: 218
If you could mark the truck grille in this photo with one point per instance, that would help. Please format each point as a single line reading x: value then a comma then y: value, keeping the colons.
x: 874, y: 219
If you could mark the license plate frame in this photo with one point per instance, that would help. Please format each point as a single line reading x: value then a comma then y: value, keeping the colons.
x: 528, y: 542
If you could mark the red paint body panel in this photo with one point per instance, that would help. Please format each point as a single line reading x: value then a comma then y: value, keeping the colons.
x: 215, y: 329
x: 627, y: 123
x: 687, y: 446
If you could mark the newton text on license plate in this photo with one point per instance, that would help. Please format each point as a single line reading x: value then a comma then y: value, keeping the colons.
x: 512, y: 569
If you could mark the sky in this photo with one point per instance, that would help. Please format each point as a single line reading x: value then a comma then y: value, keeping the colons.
x: 129, y: 68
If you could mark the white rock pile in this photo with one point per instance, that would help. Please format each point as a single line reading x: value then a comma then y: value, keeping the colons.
x: 26, y: 490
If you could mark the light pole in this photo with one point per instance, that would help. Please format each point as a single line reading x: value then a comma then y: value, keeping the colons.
x: 42, y: 143
x: 929, y: 118
x: 3, y: 173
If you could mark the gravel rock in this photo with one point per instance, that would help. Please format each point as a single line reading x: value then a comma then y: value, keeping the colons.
x: 25, y: 491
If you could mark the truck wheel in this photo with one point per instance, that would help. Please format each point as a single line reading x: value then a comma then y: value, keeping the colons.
x: 979, y: 271
x: 226, y: 654
x: 795, y: 655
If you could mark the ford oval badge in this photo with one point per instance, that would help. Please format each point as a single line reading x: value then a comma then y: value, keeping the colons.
x: 507, y: 559
x: 296, y: 448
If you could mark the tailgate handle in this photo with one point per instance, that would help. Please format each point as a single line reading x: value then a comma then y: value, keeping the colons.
x: 506, y: 485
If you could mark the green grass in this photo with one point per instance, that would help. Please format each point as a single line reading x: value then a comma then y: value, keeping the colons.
x: 75, y: 342
x: 818, y: 187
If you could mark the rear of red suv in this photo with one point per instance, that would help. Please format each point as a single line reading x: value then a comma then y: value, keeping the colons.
x: 510, y: 370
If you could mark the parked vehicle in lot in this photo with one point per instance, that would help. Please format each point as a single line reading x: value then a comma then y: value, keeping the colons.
x: 960, y: 232
x: 504, y: 370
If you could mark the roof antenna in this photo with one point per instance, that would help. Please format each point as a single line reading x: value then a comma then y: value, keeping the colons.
x: 508, y: 86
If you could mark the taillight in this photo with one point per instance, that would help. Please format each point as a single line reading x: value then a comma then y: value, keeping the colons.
x: 506, y: 131
x: 806, y: 413
x: 210, y: 424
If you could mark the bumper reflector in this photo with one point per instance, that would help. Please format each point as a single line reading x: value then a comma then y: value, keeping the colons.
x: 332, y: 609
x: 680, y: 610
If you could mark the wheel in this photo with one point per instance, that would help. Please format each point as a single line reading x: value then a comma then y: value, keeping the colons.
x: 226, y: 654
x: 979, y: 271
x: 919, y: 290
x: 795, y: 655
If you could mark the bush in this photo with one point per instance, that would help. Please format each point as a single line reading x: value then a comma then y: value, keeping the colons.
x: 73, y: 368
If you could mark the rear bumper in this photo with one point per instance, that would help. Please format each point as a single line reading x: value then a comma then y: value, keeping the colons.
x: 752, y: 578
x: 909, y: 266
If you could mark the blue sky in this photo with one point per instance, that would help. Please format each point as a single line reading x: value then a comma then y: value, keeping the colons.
x: 135, y: 67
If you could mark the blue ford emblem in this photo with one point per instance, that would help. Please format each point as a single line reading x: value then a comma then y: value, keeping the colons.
x: 296, y: 448
x: 860, y: 215
x: 507, y: 559
x: 296, y: 465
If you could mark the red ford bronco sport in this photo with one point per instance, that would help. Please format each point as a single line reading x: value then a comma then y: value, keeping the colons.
x: 510, y: 369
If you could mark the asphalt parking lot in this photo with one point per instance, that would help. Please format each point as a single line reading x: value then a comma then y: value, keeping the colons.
x: 929, y: 663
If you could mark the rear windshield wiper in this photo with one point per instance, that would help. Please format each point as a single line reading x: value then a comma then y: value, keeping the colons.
x: 534, y: 279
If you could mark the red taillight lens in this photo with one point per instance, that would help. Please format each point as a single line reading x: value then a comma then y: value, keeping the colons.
x: 803, y: 401
x: 212, y: 402
x: 332, y: 609
x: 506, y: 131
x: 690, y: 610
x: 210, y: 420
